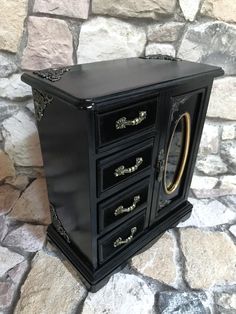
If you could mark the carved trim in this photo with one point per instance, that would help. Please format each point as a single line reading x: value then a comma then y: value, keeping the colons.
x: 176, y: 102
x: 41, y: 100
x: 58, y: 225
x: 52, y: 74
x: 161, y: 164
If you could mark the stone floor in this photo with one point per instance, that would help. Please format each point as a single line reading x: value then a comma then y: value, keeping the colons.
x: 191, y: 269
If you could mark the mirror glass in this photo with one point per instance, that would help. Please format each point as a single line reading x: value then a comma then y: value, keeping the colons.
x: 177, y: 153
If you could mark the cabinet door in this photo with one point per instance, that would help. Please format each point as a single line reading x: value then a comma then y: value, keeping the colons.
x: 181, y: 121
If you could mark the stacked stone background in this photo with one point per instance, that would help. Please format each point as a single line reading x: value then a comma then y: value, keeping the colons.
x: 191, y: 269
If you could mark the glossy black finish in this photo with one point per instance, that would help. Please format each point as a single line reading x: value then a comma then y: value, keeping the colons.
x: 83, y: 148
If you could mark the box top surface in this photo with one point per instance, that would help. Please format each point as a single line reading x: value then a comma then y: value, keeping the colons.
x: 98, y: 81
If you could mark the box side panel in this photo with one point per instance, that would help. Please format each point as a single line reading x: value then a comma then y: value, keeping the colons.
x: 64, y: 139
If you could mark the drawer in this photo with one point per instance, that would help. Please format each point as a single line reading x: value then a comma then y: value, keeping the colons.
x: 124, y: 205
x: 121, y: 238
x: 127, y: 121
x: 122, y: 166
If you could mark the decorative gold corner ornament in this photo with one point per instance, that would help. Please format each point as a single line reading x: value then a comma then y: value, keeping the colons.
x: 58, y: 225
x: 41, y: 100
x: 53, y: 74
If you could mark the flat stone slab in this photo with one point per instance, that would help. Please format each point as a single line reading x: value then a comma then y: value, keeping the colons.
x: 29, y: 238
x: 22, y: 140
x: 209, y: 213
x: 8, y: 198
x: 73, y: 8
x: 12, y: 16
x: 50, y: 44
x: 8, y: 260
x: 154, y: 9
x: 109, y: 38
x: 33, y: 205
x: 158, y: 262
x: 183, y: 303
x: 49, y: 288
x: 210, y: 258
x: 124, y: 293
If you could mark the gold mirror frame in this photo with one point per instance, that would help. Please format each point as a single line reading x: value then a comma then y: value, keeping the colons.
x: 173, y: 186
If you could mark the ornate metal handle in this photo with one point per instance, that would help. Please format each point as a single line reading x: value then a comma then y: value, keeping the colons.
x: 119, y: 241
x: 121, y: 171
x: 120, y: 210
x: 122, y: 123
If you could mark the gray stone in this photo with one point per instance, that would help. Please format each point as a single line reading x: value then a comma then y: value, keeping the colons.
x: 211, y: 165
x: 189, y: 8
x: 12, y: 16
x: 226, y: 303
x: 228, y: 184
x: 209, y: 213
x: 210, y: 140
x: 210, y: 258
x: 49, y: 288
x: 221, y: 10
x: 8, y: 64
x: 158, y: 262
x: 183, y: 303
x: 73, y: 8
x: 154, y: 9
x: 233, y: 230
x: 14, y: 89
x: 123, y: 293
x: 8, y: 289
x: 212, y: 43
x: 3, y: 227
x: 7, y: 169
x: 8, y: 198
x: 229, y: 132
x: 164, y: 49
x: 228, y: 152
x: 8, y: 108
x: 203, y: 182
x: 230, y: 201
x: 7, y: 292
x: 49, y: 44
x: 20, y: 182
x: 22, y: 141
x: 33, y: 205
x: 29, y: 238
x: 17, y: 273
x: 167, y: 32
x: 109, y: 38
x: 8, y: 260
x: 204, y: 187
x: 223, y: 92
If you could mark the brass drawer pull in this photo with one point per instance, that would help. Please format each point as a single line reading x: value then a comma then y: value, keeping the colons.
x: 121, y: 171
x: 122, y: 123
x: 119, y: 241
x: 120, y: 210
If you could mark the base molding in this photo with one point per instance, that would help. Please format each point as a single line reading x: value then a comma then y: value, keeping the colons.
x: 94, y: 279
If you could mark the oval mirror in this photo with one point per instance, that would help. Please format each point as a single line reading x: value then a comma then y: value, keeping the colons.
x: 177, y: 153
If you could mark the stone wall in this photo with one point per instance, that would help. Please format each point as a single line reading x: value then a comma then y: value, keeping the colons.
x: 40, y: 34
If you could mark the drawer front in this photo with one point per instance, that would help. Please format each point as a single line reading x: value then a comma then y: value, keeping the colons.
x: 124, y: 205
x: 120, y: 168
x: 124, y: 122
x: 121, y: 238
